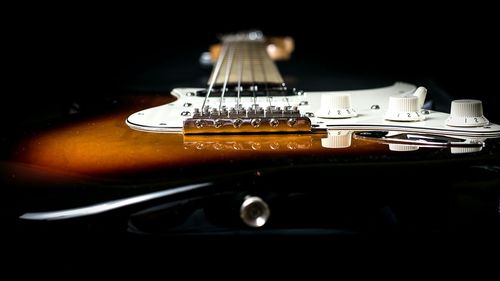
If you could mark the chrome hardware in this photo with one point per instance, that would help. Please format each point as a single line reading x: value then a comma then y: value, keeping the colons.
x: 375, y: 107
x: 185, y: 113
x: 205, y: 59
x: 254, y: 119
x: 291, y: 122
x: 246, y: 125
x: 254, y: 211
x: 199, y: 123
x: 237, y: 123
x: 187, y: 104
x: 255, y: 122
x: 274, y: 123
x: 218, y: 123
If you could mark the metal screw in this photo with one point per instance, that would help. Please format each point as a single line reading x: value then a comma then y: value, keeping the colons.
x: 218, y: 123
x: 274, y: 123
x: 255, y: 122
x: 309, y: 114
x: 185, y: 113
x: 291, y: 122
x: 375, y: 107
x: 237, y: 123
x: 199, y: 124
x: 187, y: 104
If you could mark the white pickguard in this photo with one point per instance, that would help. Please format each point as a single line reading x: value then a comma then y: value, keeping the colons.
x: 169, y: 118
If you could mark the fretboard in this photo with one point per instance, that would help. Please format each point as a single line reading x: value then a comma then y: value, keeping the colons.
x: 245, y: 63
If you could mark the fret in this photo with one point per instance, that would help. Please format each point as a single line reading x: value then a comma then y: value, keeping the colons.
x: 256, y: 66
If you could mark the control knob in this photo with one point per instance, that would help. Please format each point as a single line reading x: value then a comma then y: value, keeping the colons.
x: 466, y: 113
x: 336, y: 106
x: 404, y: 108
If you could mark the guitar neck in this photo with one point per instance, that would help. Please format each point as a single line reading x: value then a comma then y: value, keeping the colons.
x: 246, y: 63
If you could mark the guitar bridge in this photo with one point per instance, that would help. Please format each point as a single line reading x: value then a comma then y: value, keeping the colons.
x: 251, y: 120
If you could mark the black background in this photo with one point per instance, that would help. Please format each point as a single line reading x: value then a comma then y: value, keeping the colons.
x: 58, y: 53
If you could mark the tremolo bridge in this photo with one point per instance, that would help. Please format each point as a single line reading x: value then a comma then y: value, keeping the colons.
x: 253, y: 119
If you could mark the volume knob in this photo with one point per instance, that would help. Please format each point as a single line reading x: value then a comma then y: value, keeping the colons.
x: 466, y: 113
x: 403, y: 108
x: 336, y: 106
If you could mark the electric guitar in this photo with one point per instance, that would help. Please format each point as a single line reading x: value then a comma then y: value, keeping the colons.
x: 248, y: 153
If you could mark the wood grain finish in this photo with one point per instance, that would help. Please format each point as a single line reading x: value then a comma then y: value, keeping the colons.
x: 104, y: 145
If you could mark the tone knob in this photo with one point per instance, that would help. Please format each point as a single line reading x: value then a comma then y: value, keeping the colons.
x: 404, y: 108
x: 337, y: 139
x: 336, y: 106
x: 466, y: 113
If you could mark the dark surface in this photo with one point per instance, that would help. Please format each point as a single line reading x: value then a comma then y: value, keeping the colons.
x: 90, y: 53
x: 81, y: 59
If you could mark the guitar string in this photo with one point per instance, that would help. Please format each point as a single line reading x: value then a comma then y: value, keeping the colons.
x: 229, y: 65
x: 240, y: 56
x: 252, y: 75
x: 215, y: 75
x: 262, y: 57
